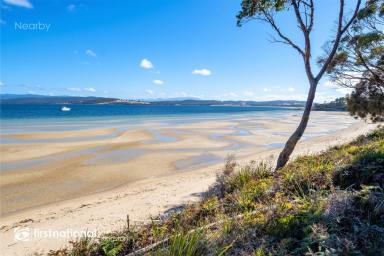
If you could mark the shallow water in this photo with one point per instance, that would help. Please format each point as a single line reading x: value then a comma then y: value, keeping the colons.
x: 275, y: 145
x: 247, y: 124
x: 159, y: 137
x: 139, y: 148
x: 116, y: 156
x: 26, y: 164
x: 111, y: 135
x: 199, y: 161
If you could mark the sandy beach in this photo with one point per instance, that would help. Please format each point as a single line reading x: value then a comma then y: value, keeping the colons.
x: 91, y: 179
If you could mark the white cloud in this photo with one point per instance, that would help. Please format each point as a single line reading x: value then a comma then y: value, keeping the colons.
x: 146, y: 64
x: 322, y: 96
x: 254, y: 97
x: 173, y: 94
x: 296, y: 96
x: 158, y: 82
x: 71, y: 8
x: 344, y: 91
x: 202, y: 72
x: 248, y: 93
x: 183, y: 94
x: 341, y: 90
x: 351, y: 78
x: 1, y: 84
x: 329, y: 84
x: 74, y: 89
x: 20, y: 3
x: 90, y: 89
x: 291, y: 89
x: 265, y: 89
x: 77, y: 89
x: 227, y: 96
x: 91, y: 53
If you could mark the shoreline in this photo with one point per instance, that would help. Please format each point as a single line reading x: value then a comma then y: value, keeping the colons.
x: 42, y: 168
x: 106, y: 211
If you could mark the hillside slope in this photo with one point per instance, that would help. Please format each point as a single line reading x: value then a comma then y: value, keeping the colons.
x: 326, y: 204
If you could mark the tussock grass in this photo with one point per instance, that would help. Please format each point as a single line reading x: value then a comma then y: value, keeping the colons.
x: 325, y: 204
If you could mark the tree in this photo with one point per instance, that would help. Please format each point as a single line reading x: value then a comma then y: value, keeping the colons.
x: 303, y: 10
x: 359, y: 62
x: 339, y: 104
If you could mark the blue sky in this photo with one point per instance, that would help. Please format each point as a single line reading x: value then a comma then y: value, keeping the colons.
x: 140, y: 49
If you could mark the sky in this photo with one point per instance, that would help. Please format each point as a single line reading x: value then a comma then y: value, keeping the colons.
x: 145, y: 49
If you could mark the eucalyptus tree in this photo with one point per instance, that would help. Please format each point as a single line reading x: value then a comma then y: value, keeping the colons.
x: 304, y: 13
x: 359, y: 62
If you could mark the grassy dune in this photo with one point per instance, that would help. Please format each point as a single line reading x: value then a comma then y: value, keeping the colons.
x: 325, y: 204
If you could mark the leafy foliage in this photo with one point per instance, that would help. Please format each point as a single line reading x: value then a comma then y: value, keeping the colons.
x: 367, y: 100
x: 252, y: 8
x: 359, y: 62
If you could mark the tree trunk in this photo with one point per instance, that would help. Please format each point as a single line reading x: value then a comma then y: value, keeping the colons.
x: 295, y: 137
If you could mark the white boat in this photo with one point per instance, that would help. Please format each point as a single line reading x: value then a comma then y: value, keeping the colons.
x: 65, y: 109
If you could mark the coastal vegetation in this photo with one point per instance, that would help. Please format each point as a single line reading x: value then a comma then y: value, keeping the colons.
x: 330, y: 203
x: 359, y: 63
x: 338, y: 104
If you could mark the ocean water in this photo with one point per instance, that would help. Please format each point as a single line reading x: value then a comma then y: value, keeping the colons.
x: 17, y: 118
x: 23, y: 111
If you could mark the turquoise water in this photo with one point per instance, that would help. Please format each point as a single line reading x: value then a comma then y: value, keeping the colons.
x: 30, y: 118
x: 33, y: 111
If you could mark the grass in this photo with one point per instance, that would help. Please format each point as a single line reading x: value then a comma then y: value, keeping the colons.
x: 330, y: 203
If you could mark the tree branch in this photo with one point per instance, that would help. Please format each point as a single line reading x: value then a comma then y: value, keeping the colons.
x: 340, y: 31
x: 312, y: 13
x: 361, y: 58
x: 306, y: 33
x: 288, y: 41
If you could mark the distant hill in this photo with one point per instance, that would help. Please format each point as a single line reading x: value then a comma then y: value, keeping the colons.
x: 17, y: 96
x: 172, y: 99
x: 44, y: 99
x: 198, y: 102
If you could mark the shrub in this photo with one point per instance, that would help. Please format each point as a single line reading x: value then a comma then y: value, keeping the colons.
x: 307, y: 174
x: 326, y: 204
x: 185, y: 244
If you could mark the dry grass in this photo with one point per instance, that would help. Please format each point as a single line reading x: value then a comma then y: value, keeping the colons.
x: 326, y: 204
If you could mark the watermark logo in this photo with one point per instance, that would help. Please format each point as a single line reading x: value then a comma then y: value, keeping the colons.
x: 22, y: 234
x: 26, y: 234
x: 39, y: 26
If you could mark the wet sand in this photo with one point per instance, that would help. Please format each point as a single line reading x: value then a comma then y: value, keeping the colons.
x: 93, y: 183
